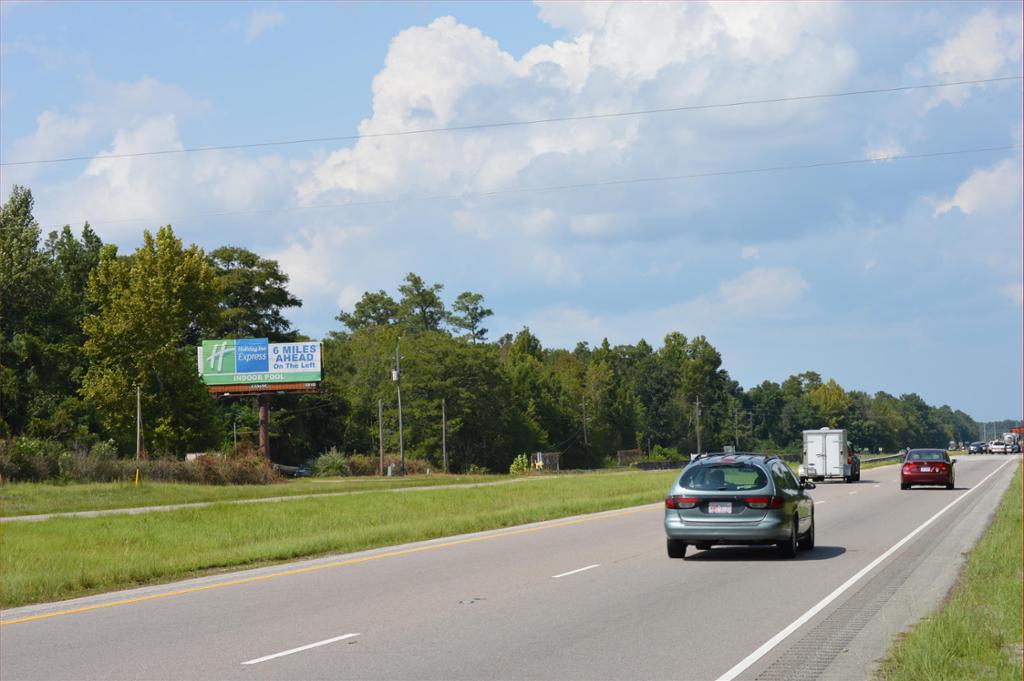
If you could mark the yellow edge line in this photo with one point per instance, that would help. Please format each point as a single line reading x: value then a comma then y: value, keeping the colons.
x: 315, y: 568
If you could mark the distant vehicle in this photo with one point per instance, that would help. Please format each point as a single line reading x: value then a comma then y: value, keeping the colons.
x: 827, y: 454
x: 927, y: 467
x: 745, y: 499
x: 976, y: 448
x: 998, y: 447
x: 1015, y: 448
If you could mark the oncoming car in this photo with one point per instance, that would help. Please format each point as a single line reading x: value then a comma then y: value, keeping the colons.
x: 745, y: 499
x: 927, y: 467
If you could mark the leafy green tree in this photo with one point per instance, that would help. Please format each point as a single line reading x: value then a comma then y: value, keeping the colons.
x: 373, y: 309
x: 152, y: 310
x: 254, y: 294
x: 468, y: 314
x: 831, y: 402
x: 420, y: 307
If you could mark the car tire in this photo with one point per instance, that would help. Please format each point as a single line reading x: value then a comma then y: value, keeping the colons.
x: 787, y: 547
x: 676, y: 548
x: 951, y: 484
x: 807, y: 541
x: 848, y: 479
x: 904, y: 485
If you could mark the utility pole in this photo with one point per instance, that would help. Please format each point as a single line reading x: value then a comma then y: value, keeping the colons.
x: 698, y: 426
x: 585, y: 442
x: 138, y: 423
x: 397, y: 376
x: 138, y: 429
x: 234, y: 435
x: 735, y: 429
x: 380, y: 436
x: 444, y: 435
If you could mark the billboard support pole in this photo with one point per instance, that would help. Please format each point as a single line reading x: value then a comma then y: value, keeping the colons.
x: 264, y: 403
x: 444, y: 436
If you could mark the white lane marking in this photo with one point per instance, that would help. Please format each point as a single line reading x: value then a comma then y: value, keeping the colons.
x: 818, y: 502
x: 778, y: 638
x: 877, y: 486
x: 300, y: 649
x: 852, y: 493
x: 572, y: 572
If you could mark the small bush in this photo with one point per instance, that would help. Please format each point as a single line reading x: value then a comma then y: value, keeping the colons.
x: 362, y: 464
x: 659, y: 453
x: 331, y: 463
x: 104, y: 449
x: 474, y: 469
x: 520, y: 465
x: 32, y: 459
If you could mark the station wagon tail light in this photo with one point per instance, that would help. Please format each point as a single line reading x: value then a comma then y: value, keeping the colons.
x: 680, y: 502
x: 764, y: 502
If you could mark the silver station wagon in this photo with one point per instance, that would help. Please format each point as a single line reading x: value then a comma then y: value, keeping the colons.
x: 745, y: 499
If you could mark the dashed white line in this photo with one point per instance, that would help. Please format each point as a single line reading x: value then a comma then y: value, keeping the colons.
x: 852, y: 493
x: 818, y: 502
x: 300, y: 649
x: 877, y: 486
x: 572, y: 572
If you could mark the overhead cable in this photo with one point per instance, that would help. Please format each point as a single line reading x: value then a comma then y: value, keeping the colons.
x: 559, y: 187
x: 509, y: 124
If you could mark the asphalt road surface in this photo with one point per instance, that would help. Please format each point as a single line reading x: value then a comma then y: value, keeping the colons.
x: 592, y: 597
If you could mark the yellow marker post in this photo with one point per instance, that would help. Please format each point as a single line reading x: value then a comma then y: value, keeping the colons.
x: 136, y: 477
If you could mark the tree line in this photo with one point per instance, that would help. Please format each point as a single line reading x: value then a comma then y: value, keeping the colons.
x: 84, y: 327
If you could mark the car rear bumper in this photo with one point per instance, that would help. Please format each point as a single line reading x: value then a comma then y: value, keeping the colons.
x: 768, y: 530
x: 925, y: 479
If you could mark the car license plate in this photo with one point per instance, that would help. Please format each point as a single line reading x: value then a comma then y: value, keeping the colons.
x: 926, y: 469
x: 720, y: 507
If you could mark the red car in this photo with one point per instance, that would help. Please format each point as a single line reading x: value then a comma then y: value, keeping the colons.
x: 927, y: 467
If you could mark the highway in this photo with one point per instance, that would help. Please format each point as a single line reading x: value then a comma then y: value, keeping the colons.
x: 591, y: 597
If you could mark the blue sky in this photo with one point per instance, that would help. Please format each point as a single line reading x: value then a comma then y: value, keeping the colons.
x: 903, y: 276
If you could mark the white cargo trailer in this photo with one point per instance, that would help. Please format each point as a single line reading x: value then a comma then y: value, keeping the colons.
x: 827, y: 454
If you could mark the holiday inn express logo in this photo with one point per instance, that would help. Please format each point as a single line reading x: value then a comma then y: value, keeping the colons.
x: 255, y: 360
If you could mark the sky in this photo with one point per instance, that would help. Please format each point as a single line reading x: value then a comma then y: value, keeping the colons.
x: 895, y: 274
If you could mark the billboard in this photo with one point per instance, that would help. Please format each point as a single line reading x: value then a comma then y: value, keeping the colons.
x: 248, y: 361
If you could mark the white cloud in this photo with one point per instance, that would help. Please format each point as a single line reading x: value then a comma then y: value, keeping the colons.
x: 620, y: 56
x: 111, y: 106
x: 884, y: 150
x: 987, y: 191
x: 750, y: 252
x: 1015, y: 292
x: 870, y: 264
x: 260, y: 21
x: 761, y: 291
x: 985, y: 47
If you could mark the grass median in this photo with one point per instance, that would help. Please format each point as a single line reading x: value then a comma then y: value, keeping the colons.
x: 977, y: 634
x: 67, y: 557
x: 31, y: 498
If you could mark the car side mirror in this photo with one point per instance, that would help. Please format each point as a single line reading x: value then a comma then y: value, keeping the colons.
x: 952, y: 460
x: 808, y: 485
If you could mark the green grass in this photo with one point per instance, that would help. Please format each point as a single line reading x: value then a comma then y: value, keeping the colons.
x: 30, y: 498
x: 65, y: 557
x: 977, y: 634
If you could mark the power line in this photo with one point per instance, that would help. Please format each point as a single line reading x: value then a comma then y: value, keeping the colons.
x: 509, y: 124
x: 560, y: 187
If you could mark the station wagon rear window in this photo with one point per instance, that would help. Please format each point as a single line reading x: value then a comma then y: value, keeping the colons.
x: 734, y: 476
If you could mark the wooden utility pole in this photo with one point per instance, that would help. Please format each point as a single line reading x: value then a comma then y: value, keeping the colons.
x: 398, y: 384
x: 264, y: 404
x: 698, y: 426
x: 380, y: 436
x: 585, y: 442
x: 444, y: 435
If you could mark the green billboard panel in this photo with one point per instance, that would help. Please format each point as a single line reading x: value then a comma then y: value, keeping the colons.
x: 242, y: 361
